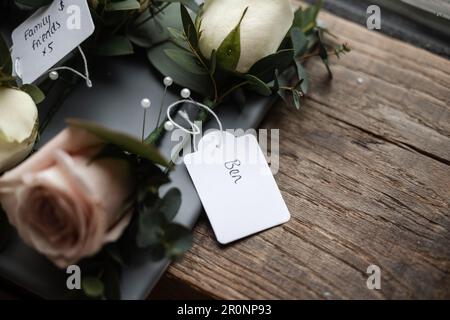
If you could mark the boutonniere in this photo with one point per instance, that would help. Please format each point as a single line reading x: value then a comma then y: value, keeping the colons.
x: 89, y: 187
x: 259, y: 48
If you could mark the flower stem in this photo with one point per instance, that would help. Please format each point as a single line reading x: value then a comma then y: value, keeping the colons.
x: 155, y: 136
x: 231, y: 90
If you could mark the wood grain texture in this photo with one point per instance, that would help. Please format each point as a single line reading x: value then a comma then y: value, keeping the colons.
x: 365, y: 172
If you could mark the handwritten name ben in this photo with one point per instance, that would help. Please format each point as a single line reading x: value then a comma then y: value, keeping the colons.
x: 233, y: 170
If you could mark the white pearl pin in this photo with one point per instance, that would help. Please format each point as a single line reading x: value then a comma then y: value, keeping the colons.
x: 168, y: 81
x: 146, y: 103
x: 185, y: 93
x: 168, y: 126
x: 53, y: 75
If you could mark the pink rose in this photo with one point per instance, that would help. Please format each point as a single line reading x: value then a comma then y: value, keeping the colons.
x: 64, y: 204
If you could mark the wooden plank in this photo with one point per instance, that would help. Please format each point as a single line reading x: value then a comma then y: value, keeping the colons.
x: 365, y: 172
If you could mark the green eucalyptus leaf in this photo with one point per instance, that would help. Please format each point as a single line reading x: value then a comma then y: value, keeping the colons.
x: 186, y: 60
x: 148, y: 30
x: 110, y: 151
x: 229, y: 51
x: 171, y: 203
x: 306, y: 19
x: 191, y: 4
x: 176, y: 34
x: 316, y: 8
x: 198, y: 21
x: 5, y: 58
x: 115, y: 46
x: 146, y: 34
x: 323, y: 54
x: 299, y: 41
x: 178, y: 38
x: 282, y: 82
x: 188, y: 26
x: 123, y: 5
x: 92, y: 287
x: 264, y: 69
x: 297, y: 96
x: 156, y: 252
x: 177, y: 240
x: 158, y: 58
x: 313, y: 39
x: 150, y: 175
x: 286, y: 92
x: 282, y: 94
x: 276, y: 82
x: 155, y: 216
x: 258, y: 85
x: 151, y: 227
x: 198, y: 83
x: 302, y: 75
x: 35, y: 93
x: 122, y: 140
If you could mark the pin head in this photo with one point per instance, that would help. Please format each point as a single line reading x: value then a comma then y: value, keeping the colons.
x: 168, y: 81
x: 168, y: 126
x: 185, y: 93
x: 53, y: 75
x: 146, y: 103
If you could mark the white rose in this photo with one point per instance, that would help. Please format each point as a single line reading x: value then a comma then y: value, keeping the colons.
x: 18, y: 127
x: 263, y: 28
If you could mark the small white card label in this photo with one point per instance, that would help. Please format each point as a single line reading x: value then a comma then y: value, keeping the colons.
x: 48, y: 36
x: 236, y: 187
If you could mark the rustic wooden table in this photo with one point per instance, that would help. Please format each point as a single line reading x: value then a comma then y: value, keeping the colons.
x: 365, y: 172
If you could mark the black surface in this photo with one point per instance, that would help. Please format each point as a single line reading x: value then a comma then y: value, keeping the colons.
x: 400, y: 21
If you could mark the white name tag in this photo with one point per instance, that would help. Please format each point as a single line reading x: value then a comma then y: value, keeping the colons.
x: 236, y: 187
x: 48, y: 36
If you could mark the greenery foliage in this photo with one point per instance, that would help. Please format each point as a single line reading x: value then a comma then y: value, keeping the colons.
x: 152, y: 232
x: 306, y: 39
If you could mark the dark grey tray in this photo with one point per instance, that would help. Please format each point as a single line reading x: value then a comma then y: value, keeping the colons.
x: 114, y: 100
